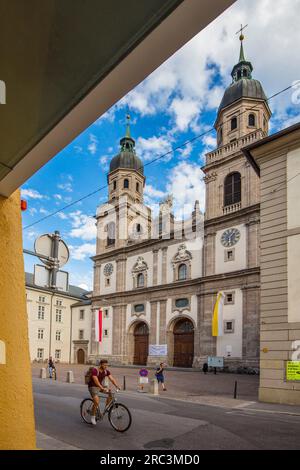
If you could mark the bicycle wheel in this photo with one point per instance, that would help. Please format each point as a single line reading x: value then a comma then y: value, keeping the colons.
x: 119, y: 417
x: 86, y: 410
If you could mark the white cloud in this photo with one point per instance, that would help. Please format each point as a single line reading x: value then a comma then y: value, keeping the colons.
x: 93, y: 144
x: 154, y: 147
x: 82, y: 251
x: 32, y: 194
x: 83, y: 226
x: 185, y: 85
x: 57, y: 196
x: 32, y: 210
x: 186, y: 151
x: 185, y: 183
x: 104, y: 162
x: 44, y: 211
x: 67, y: 184
x: 152, y: 192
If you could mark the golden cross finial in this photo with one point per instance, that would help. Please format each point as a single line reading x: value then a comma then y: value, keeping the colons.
x: 240, y: 31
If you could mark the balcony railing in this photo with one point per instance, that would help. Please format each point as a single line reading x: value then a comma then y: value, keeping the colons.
x: 232, y: 208
x: 234, y: 146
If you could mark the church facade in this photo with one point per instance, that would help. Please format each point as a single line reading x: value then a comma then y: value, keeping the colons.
x: 156, y: 280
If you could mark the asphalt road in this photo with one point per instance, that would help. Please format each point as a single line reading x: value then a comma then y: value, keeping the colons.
x: 162, y: 423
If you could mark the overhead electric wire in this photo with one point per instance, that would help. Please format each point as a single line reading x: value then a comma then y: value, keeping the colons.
x: 178, y: 147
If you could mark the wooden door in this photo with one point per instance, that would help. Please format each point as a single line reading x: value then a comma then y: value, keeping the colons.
x: 141, y: 344
x: 80, y: 356
x: 183, y: 344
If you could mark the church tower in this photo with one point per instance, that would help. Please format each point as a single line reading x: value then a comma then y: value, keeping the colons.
x: 124, y: 219
x: 232, y: 217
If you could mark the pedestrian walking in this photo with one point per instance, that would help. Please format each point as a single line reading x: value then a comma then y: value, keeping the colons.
x: 160, y: 376
x: 51, y: 367
x: 205, y: 368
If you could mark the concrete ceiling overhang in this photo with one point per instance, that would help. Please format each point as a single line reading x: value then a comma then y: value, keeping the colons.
x: 65, y: 63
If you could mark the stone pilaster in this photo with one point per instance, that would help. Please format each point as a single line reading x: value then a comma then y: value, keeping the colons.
x: 97, y: 279
x: 155, y: 267
x: 153, y: 323
x: 121, y: 274
x: 162, y: 322
x: 164, y: 265
x: 209, y: 254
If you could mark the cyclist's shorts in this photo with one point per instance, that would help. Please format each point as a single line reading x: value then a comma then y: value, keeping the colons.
x: 96, y: 391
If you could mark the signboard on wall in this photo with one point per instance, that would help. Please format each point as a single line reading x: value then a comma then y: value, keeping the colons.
x: 158, y: 350
x: 214, y: 361
x: 293, y: 370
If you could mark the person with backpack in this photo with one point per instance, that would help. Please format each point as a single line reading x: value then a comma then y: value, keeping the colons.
x: 159, y: 374
x: 97, y: 381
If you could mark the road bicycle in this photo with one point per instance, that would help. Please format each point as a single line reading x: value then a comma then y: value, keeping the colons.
x: 119, y: 415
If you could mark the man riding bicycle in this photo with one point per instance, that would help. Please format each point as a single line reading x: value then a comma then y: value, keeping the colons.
x: 98, y: 386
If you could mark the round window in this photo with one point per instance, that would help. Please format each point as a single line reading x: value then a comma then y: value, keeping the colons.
x: 181, y: 303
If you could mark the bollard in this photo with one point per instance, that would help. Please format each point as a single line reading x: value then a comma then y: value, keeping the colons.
x: 154, y: 387
x: 70, y: 376
x: 43, y: 373
x: 235, y: 390
x: 124, y: 383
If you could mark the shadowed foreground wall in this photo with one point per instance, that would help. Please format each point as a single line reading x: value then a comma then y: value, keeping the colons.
x: 17, y: 430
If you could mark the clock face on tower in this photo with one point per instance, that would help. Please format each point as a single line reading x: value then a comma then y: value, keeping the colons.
x: 108, y: 269
x: 230, y: 237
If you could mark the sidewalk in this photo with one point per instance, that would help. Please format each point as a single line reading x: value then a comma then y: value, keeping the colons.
x: 44, y: 442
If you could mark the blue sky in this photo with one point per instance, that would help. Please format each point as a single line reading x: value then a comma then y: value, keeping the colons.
x: 176, y: 103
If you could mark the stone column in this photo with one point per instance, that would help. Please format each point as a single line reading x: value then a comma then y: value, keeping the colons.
x: 162, y: 322
x: 209, y: 254
x: 253, y: 243
x: 97, y: 274
x: 121, y: 274
x: 155, y: 266
x: 164, y: 265
x: 119, y: 333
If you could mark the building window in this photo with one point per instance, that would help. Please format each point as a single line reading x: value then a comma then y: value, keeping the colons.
x: 58, y: 335
x: 229, y: 255
x: 252, y: 120
x: 138, y: 228
x: 232, y: 189
x: 58, y: 316
x: 41, y: 299
x: 126, y: 183
x: 138, y: 187
x: 41, y: 312
x: 105, y: 333
x: 229, y: 326
x: 106, y: 314
x: 181, y: 303
x: 111, y: 233
x: 107, y: 282
x: 59, y: 303
x: 229, y: 298
x: 81, y: 334
x: 40, y: 353
x: 57, y: 354
x: 139, y: 308
x: 182, y: 272
x: 81, y: 314
x: 140, y: 280
x: 40, y: 333
x: 115, y: 185
x: 234, y: 123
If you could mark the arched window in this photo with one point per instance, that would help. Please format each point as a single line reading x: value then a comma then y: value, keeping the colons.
x: 182, y: 272
x: 137, y: 187
x: 232, y: 189
x: 111, y: 235
x: 138, y: 228
x: 140, y: 280
x: 126, y: 183
x: 233, y: 123
x: 252, y: 120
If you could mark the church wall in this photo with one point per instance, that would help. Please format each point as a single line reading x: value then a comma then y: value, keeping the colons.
x: 105, y: 289
x: 131, y: 260
x: 239, y: 252
x: 231, y: 344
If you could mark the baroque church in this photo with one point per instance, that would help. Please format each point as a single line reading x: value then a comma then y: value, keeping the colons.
x: 156, y: 280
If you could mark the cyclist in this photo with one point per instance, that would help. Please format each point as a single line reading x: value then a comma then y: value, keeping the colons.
x: 98, y: 386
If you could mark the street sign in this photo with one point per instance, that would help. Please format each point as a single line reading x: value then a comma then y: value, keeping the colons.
x: 214, y: 361
x: 41, y: 276
x: 158, y: 350
x: 44, y: 246
x: 144, y: 373
x: 144, y: 380
x: 293, y: 370
x: 62, y: 281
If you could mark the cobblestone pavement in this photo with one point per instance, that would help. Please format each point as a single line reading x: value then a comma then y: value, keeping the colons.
x: 181, y: 384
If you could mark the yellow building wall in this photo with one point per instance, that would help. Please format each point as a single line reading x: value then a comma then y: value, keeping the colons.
x: 17, y: 429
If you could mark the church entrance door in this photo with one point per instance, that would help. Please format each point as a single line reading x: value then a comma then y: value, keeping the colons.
x: 80, y: 356
x: 183, y: 343
x: 141, y: 344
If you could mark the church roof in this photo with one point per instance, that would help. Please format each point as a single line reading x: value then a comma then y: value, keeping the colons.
x: 243, y: 85
x: 127, y: 157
